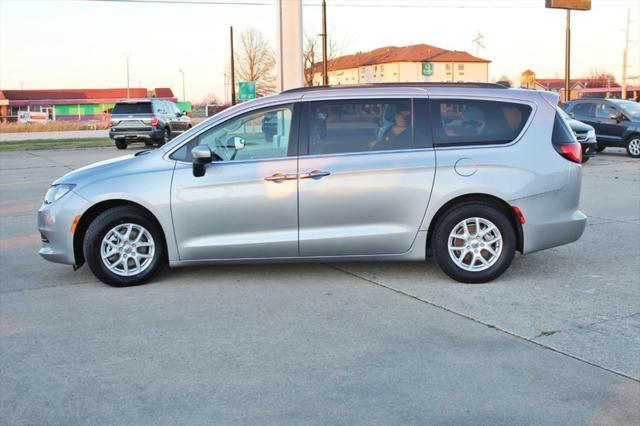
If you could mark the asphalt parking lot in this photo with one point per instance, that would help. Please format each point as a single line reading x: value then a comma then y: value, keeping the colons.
x: 556, y: 340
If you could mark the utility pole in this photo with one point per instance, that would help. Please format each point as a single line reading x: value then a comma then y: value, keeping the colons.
x: 567, y: 58
x: 127, y: 55
x: 325, y: 65
x: 233, y: 71
x: 624, y: 57
x: 184, y: 98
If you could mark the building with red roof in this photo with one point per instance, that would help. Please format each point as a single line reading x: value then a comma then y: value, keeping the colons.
x: 73, y: 104
x: 391, y: 64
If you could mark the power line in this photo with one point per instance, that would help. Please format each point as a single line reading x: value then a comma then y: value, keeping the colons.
x: 428, y: 4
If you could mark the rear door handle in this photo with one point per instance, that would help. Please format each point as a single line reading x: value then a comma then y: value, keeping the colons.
x: 280, y: 177
x: 315, y: 174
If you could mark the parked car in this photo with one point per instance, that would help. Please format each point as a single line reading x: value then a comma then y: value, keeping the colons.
x: 146, y: 120
x: 585, y: 134
x: 329, y: 186
x: 617, y: 122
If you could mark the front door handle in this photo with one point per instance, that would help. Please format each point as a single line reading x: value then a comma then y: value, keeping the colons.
x: 315, y: 174
x: 280, y: 177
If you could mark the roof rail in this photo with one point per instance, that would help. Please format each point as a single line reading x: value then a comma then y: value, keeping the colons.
x: 408, y: 84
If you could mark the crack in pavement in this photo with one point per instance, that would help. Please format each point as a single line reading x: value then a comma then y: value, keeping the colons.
x: 460, y: 314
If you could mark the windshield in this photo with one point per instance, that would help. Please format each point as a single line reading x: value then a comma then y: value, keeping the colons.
x: 132, y: 108
x: 630, y: 108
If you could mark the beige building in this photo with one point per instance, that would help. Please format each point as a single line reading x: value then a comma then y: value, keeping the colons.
x: 420, y: 62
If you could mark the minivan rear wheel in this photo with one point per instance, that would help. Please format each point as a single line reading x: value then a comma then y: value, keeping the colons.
x: 474, y: 243
x: 123, y: 247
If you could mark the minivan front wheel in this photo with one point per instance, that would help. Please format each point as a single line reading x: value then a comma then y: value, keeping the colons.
x: 123, y: 247
x: 474, y: 243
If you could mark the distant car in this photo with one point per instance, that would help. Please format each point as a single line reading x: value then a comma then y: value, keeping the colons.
x: 146, y: 120
x: 617, y: 122
x: 585, y: 134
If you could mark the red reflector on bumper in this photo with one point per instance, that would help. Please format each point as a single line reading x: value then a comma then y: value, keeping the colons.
x: 519, y: 214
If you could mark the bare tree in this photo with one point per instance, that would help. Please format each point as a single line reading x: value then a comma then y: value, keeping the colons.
x: 208, y: 99
x: 601, y: 78
x: 312, y: 53
x: 256, y: 61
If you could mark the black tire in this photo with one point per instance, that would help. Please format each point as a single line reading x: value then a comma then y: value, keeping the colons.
x: 148, y: 143
x: 633, y: 146
x: 600, y: 148
x: 166, y: 136
x: 106, y: 221
x: 451, y: 219
x: 585, y: 159
x: 120, y: 144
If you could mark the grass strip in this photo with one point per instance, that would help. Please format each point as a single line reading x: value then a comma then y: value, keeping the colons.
x: 39, y: 144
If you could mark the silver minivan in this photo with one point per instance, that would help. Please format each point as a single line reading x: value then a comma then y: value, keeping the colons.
x: 465, y: 173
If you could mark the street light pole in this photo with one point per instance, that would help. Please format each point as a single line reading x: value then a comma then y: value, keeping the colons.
x: 127, y: 55
x: 233, y: 70
x: 325, y: 66
x: 184, y: 98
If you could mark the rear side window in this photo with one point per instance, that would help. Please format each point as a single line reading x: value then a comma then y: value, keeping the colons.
x: 132, y: 108
x: 360, y: 125
x: 585, y: 109
x: 471, y: 122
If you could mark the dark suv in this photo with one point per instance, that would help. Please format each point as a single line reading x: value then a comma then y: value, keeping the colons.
x: 146, y: 120
x: 617, y: 122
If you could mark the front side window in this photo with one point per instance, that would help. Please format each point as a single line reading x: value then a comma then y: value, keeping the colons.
x: 468, y: 122
x: 253, y: 136
x: 605, y: 111
x: 360, y: 126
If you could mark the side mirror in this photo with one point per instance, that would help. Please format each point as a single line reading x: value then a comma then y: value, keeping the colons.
x: 178, y: 114
x: 238, y: 142
x: 184, y: 112
x: 201, y: 156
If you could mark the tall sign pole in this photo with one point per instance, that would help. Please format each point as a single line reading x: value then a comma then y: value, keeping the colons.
x: 290, y: 61
x: 325, y: 64
x: 567, y: 58
x: 569, y: 5
x: 624, y: 57
x: 233, y: 70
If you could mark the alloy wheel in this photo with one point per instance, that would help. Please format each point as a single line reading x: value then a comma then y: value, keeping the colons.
x: 127, y: 249
x: 475, y: 244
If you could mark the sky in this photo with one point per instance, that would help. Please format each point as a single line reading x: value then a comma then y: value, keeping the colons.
x: 54, y: 44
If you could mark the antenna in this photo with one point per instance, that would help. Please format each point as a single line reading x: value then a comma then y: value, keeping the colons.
x: 479, y: 42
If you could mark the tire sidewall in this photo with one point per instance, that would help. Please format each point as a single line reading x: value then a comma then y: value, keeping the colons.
x: 97, y: 231
x: 441, y: 242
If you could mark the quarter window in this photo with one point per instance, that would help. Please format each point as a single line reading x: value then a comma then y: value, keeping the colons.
x: 360, y: 126
x: 468, y: 122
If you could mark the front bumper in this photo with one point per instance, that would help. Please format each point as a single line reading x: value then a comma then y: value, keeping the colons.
x: 589, y: 148
x: 54, y: 224
x: 133, y: 134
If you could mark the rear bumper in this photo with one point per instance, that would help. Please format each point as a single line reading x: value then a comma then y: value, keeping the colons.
x: 132, y: 134
x: 553, y: 218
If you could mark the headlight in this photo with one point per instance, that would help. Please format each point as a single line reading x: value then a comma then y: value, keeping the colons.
x: 56, y: 192
x: 591, y: 134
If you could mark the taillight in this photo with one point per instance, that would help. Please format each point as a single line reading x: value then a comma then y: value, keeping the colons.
x: 154, y: 121
x: 570, y: 151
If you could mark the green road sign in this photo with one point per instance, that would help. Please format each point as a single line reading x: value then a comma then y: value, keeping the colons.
x: 427, y: 68
x: 246, y: 90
